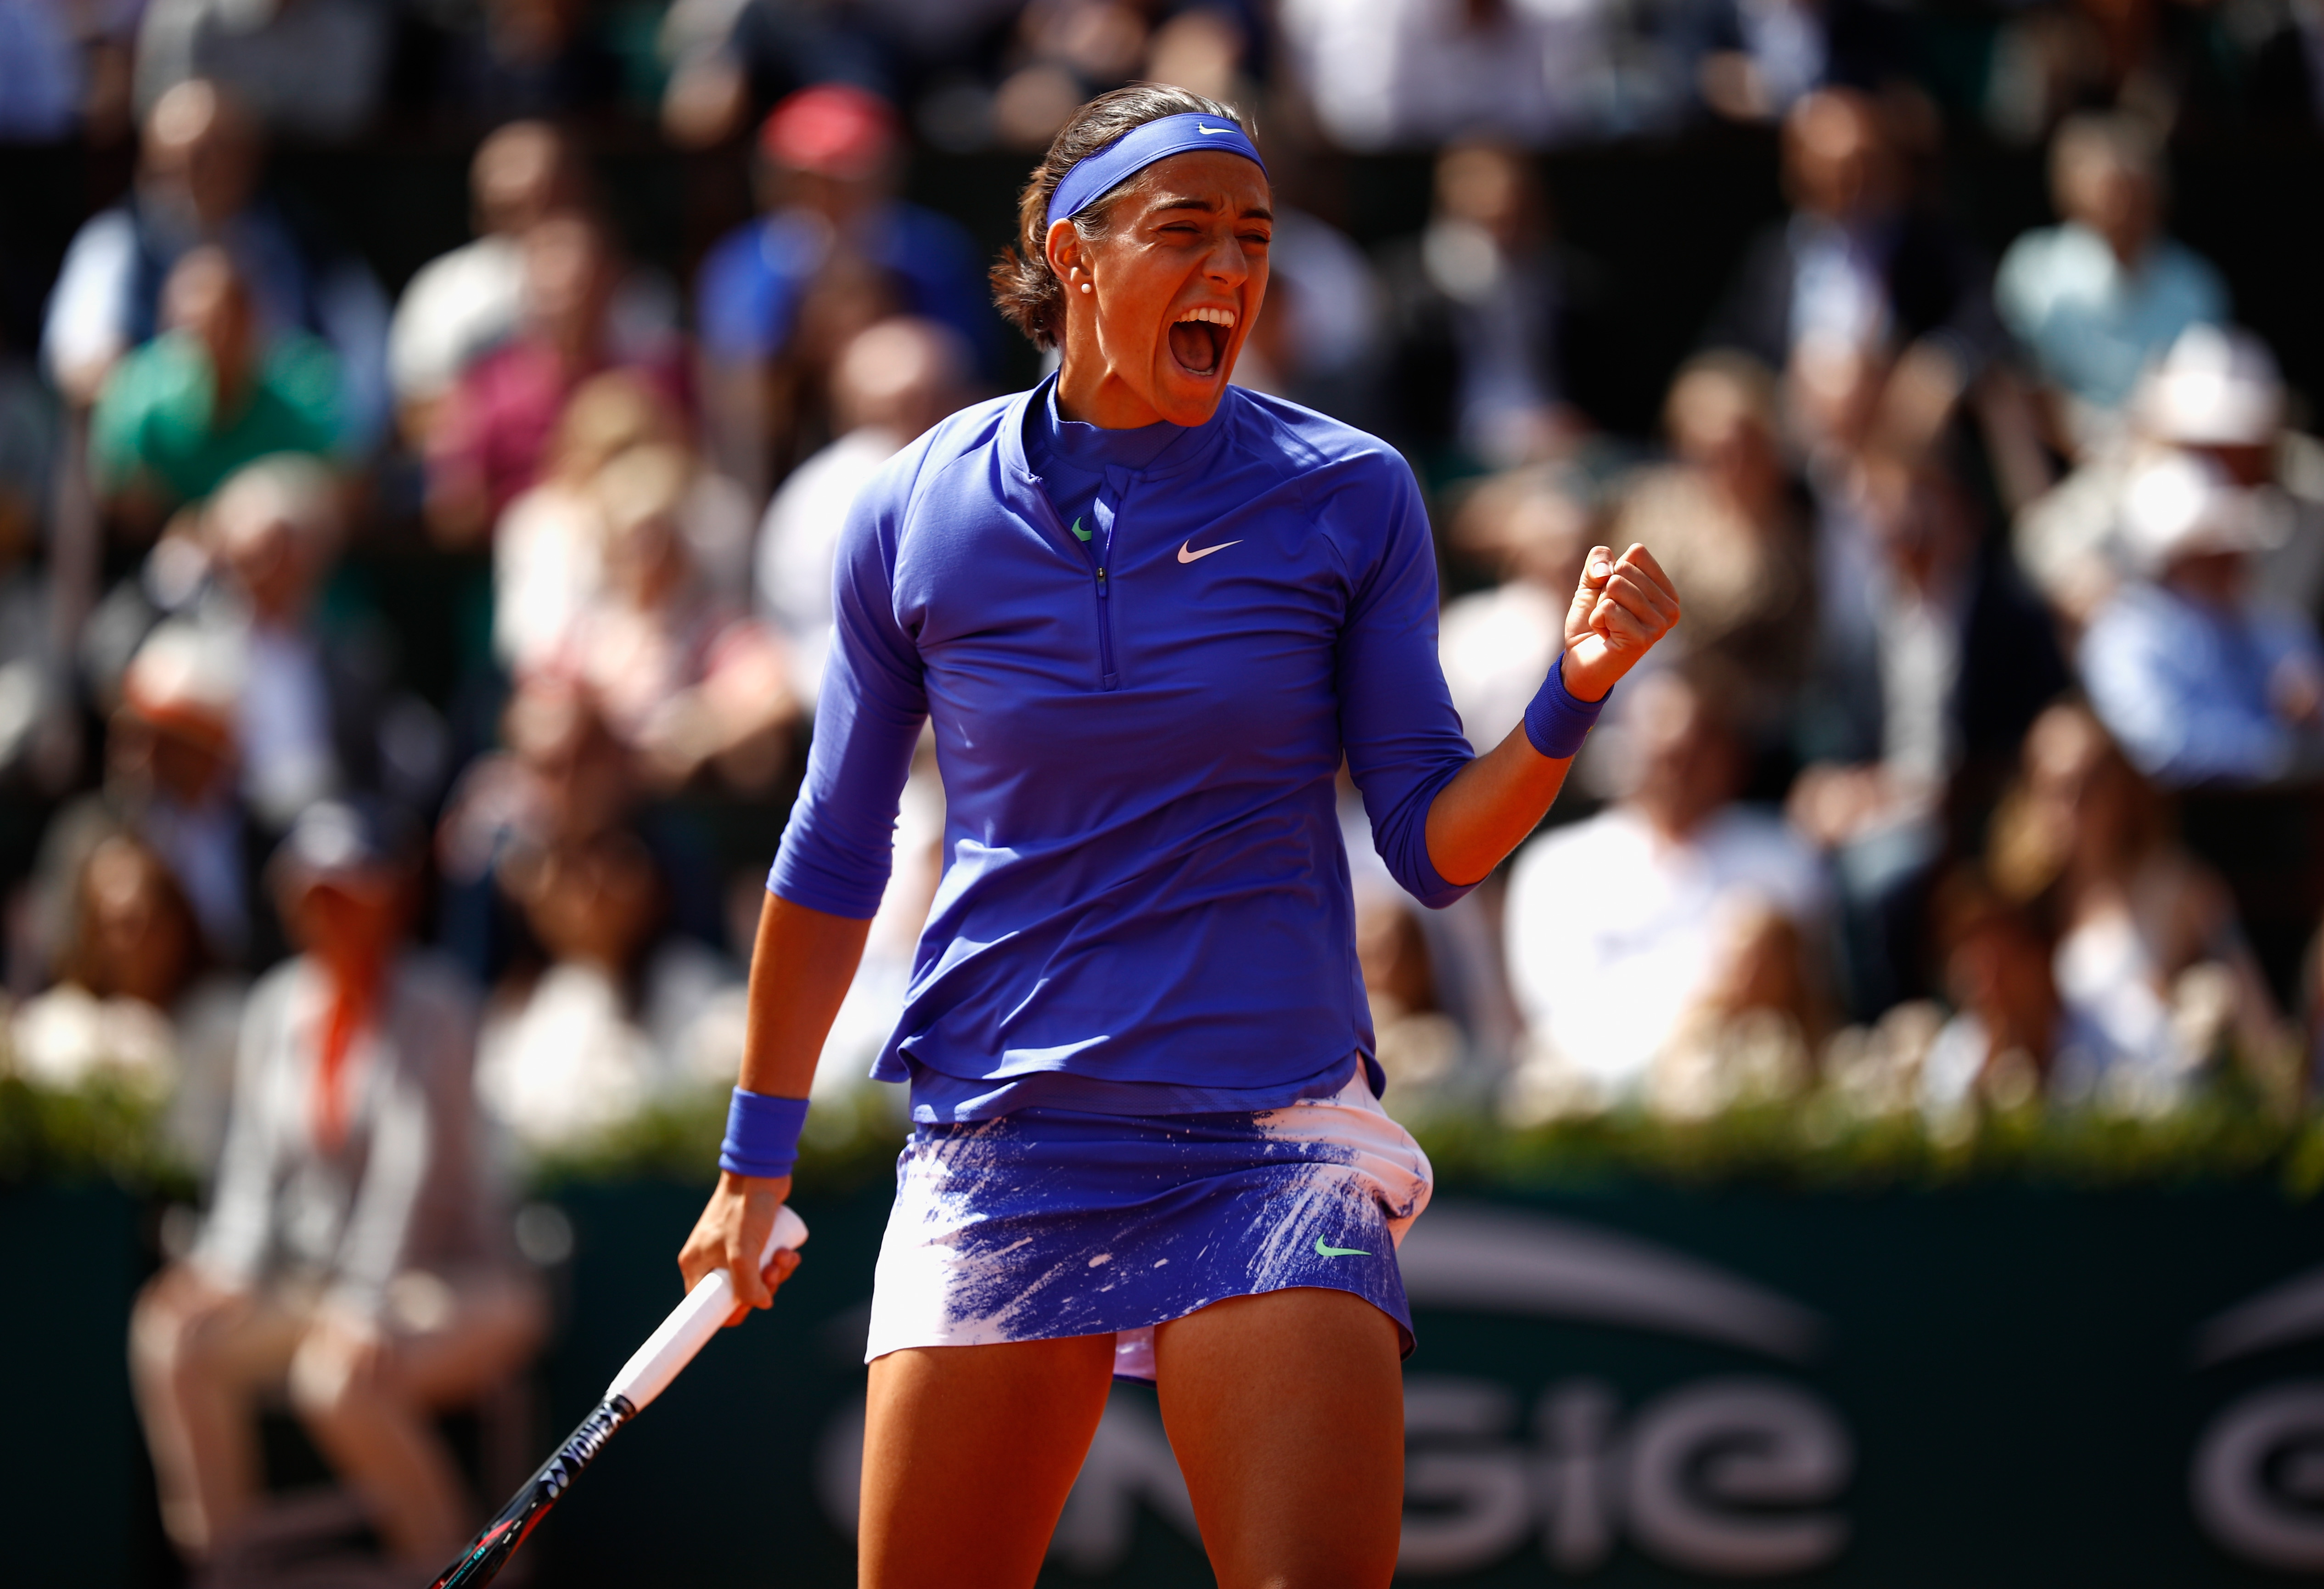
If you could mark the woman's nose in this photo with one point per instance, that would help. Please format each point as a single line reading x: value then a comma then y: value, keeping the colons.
x: 1226, y: 262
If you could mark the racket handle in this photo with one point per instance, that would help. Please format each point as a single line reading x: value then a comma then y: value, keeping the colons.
x: 692, y: 1323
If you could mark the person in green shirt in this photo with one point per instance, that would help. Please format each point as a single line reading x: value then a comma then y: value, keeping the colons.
x: 207, y: 396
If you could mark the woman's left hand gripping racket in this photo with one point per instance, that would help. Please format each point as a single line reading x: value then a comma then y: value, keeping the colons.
x: 645, y: 1376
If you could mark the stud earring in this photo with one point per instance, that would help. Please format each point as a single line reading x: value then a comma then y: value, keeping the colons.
x: 1087, y: 288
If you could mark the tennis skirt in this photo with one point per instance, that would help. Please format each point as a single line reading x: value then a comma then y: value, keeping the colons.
x: 1049, y: 1223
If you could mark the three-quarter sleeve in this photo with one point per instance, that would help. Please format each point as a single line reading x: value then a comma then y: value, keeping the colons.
x: 840, y: 843
x: 1403, y: 738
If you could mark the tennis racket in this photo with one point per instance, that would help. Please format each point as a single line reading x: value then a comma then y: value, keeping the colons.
x: 646, y: 1375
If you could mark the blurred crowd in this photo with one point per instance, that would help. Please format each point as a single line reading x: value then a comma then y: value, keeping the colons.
x: 402, y: 691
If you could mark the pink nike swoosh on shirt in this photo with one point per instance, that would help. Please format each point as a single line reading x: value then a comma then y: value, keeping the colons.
x: 1186, y: 556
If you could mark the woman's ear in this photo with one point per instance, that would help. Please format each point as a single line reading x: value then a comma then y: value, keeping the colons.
x: 1066, y: 252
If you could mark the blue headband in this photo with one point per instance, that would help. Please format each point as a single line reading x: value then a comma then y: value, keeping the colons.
x: 1098, y: 173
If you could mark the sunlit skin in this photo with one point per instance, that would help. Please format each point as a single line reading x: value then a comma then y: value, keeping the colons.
x: 1155, y: 313
x: 1191, y: 234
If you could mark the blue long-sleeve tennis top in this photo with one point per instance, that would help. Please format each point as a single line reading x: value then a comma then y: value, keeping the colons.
x: 1145, y: 905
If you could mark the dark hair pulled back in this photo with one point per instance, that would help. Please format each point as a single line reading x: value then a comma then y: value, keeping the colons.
x: 1025, y: 289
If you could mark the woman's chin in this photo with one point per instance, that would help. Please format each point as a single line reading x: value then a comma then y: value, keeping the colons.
x: 1189, y: 397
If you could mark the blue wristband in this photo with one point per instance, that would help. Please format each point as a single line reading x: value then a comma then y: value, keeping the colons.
x: 762, y: 1135
x: 1555, y: 722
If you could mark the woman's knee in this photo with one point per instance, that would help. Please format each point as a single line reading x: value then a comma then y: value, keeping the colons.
x: 168, y: 1339
x: 333, y: 1373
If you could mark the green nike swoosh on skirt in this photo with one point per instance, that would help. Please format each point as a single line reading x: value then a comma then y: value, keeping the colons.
x: 1329, y: 1251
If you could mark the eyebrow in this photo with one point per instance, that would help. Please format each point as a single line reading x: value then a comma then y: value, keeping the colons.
x: 1209, y: 205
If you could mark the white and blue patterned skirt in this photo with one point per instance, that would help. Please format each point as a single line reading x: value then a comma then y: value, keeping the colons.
x: 1049, y: 1223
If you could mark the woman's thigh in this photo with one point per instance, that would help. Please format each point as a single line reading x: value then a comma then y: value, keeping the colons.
x: 475, y: 1331
x: 1286, y: 1413
x: 968, y: 1454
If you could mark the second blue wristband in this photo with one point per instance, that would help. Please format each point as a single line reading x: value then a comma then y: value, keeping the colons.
x: 762, y: 1133
x: 1555, y: 722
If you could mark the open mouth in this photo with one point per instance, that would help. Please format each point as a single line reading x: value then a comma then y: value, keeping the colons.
x: 1198, y: 340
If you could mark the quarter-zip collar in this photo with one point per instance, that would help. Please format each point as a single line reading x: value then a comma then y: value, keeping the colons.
x: 1195, y: 446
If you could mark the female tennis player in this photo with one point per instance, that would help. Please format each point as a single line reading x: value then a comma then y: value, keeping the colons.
x: 1148, y: 613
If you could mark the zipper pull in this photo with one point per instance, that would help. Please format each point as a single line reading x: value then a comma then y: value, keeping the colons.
x: 1100, y: 585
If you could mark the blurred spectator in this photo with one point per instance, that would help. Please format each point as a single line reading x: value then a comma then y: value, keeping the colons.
x: 355, y: 1254
x: 461, y: 305
x: 890, y: 384
x: 1532, y: 527
x: 196, y: 177
x: 1857, y: 270
x: 1445, y: 1028
x: 39, y: 741
x: 1206, y: 49
x: 1066, y: 50
x: 1420, y: 1048
x: 275, y: 528
x: 131, y: 1001
x: 2144, y: 56
x: 529, y: 58
x: 564, y: 778
x: 1725, y: 521
x: 495, y: 425
x: 2009, y: 1031
x: 170, y: 766
x: 319, y: 713
x: 1920, y: 698
x: 1698, y: 913
x: 2151, y: 963
x: 1393, y: 73
x: 833, y: 252
x: 683, y: 675
x: 1765, y: 55
x: 213, y: 392
x: 2200, y: 679
x: 548, y: 551
x: 42, y: 81
x: 310, y: 68
x: 2098, y: 298
x: 1479, y: 305
x: 615, y: 1018
x: 2215, y: 394
x: 733, y: 60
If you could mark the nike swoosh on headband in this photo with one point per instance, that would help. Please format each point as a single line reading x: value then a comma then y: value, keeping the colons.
x: 1102, y: 170
x: 1186, y: 556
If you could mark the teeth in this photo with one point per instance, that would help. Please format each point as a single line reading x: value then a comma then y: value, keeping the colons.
x: 1216, y: 316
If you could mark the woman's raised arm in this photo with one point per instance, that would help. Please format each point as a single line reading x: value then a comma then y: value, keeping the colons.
x: 1620, y: 609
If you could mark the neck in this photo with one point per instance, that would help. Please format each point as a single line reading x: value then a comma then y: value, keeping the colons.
x: 1675, y: 820
x: 356, y: 978
x: 1090, y: 390
x: 231, y: 384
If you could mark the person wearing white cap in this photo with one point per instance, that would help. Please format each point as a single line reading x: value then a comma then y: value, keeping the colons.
x: 2198, y: 679
x: 2216, y: 392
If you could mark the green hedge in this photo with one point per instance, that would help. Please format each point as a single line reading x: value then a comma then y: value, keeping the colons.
x: 105, y: 1132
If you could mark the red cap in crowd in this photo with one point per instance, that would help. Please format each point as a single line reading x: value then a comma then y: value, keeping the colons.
x: 832, y: 129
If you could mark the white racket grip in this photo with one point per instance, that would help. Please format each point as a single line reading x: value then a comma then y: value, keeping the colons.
x: 692, y: 1323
